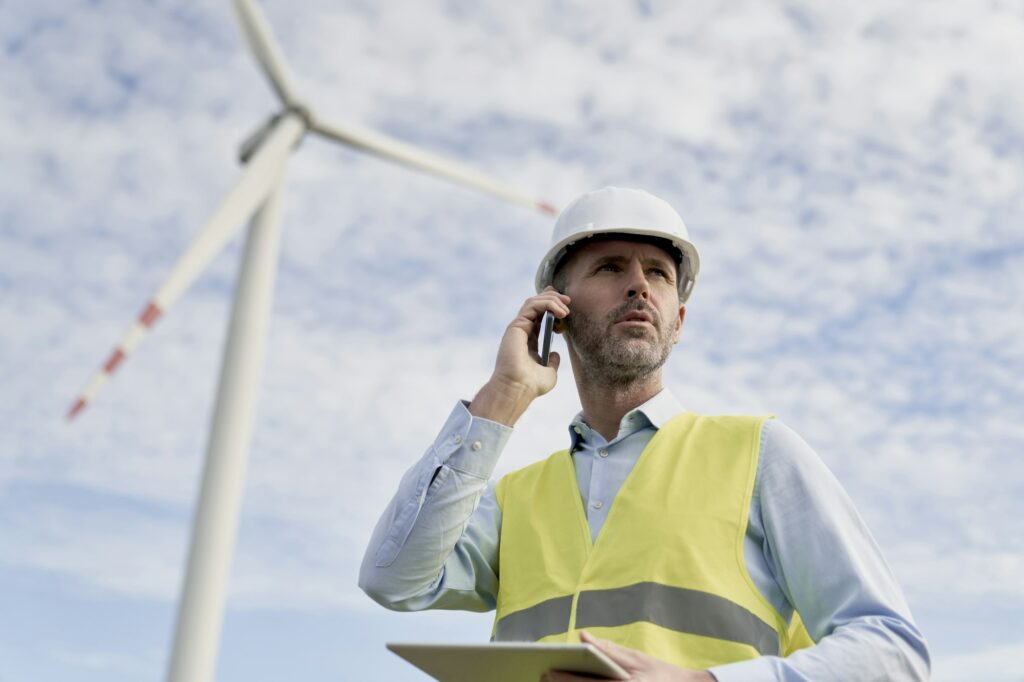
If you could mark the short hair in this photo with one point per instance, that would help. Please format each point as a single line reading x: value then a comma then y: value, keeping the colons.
x: 558, y: 276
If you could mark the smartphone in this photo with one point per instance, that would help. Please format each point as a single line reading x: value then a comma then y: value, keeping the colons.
x: 547, y: 326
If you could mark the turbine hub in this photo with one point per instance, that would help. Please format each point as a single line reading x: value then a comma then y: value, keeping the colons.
x: 255, y: 140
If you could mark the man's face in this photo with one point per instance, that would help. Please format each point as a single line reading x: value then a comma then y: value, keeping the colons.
x: 625, y: 310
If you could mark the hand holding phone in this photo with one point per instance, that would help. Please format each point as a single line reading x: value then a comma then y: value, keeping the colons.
x: 525, y: 344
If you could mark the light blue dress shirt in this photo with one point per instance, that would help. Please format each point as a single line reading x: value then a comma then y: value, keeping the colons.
x: 436, y: 546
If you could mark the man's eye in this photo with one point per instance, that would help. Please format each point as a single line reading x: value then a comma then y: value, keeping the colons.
x: 609, y: 267
x: 659, y: 272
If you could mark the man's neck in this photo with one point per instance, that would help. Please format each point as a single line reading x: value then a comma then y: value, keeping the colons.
x: 605, y: 406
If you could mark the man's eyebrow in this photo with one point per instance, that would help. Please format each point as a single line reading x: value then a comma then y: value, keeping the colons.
x: 661, y: 261
x: 611, y: 258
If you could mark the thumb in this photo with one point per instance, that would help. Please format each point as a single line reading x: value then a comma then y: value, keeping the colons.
x: 602, y: 644
x: 554, y: 360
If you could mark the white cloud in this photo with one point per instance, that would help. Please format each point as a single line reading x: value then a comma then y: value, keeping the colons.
x: 997, y: 663
x: 111, y: 663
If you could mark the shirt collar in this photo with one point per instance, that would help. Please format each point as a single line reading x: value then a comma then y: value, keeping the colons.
x: 656, y: 411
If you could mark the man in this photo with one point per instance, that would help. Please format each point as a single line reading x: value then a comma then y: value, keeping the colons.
x: 689, y: 544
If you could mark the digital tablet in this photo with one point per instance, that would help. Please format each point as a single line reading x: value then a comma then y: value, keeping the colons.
x: 506, y: 661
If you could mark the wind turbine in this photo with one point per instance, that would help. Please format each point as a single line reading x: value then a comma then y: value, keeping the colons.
x: 256, y: 195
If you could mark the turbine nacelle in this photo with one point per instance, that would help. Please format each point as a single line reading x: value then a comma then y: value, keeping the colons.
x: 251, y: 144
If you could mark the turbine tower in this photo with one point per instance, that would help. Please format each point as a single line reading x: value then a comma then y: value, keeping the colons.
x: 256, y: 195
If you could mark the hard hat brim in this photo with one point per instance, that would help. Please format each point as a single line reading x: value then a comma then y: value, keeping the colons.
x: 688, y: 267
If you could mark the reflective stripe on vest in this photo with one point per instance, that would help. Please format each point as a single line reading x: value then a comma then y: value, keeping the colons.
x: 540, y: 620
x: 673, y: 608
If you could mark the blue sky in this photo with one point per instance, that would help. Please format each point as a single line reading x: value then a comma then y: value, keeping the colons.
x: 851, y: 173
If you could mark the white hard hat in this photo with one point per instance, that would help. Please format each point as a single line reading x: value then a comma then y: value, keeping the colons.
x: 615, y: 210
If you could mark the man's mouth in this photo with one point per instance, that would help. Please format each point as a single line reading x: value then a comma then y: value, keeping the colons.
x: 636, y: 318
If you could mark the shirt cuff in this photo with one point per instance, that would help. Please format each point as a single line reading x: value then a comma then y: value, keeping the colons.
x: 470, y: 444
x: 753, y: 670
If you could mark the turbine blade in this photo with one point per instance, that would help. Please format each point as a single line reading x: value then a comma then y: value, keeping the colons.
x: 258, y: 180
x: 407, y: 154
x: 261, y: 41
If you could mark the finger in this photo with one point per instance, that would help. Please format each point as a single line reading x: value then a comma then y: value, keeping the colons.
x: 533, y: 310
x: 563, y: 298
x: 551, y: 289
x: 538, y: 305
x: 603, y: 644
x: 616, y: 652
x: 546, y: 299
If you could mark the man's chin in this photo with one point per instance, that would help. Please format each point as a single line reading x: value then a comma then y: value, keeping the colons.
x: 634, y: 332
x: 635, y: 346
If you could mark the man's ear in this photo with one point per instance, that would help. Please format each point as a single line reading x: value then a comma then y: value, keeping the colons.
x: 679, y: 328
x: 560, y: 325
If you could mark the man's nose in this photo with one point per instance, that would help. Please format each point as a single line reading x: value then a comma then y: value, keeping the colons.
x: 638, y: 286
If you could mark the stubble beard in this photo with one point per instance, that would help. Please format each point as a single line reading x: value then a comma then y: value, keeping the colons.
x: 620, y: 359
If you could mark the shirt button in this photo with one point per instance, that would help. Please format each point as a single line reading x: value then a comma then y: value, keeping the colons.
x: 598, y: 504
x: 457, y: 439
x: 602, y: 452
x: 476, y: 445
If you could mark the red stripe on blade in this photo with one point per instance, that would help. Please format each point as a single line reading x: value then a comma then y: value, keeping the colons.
x: 115, y: 359
x: 150, y: 315
x: 76, y: 408
x: 547, y: 208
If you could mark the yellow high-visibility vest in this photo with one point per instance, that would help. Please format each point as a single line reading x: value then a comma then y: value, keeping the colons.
x: 666, y: 574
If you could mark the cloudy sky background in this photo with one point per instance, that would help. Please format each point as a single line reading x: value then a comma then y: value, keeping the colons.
x: 851, y: 173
